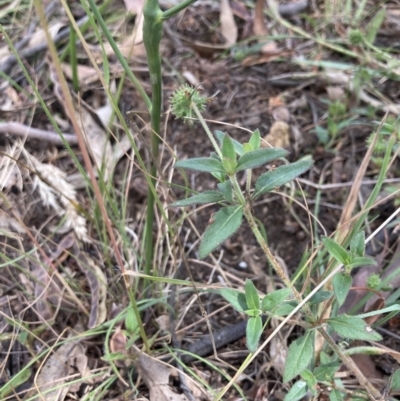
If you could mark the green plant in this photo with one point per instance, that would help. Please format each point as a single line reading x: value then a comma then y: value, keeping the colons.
x: 228, y: 159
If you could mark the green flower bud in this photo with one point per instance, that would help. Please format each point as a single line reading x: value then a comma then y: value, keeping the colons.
x: 356, y: 37
x: 182, y: 101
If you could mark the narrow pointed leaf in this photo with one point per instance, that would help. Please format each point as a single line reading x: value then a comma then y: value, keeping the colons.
x: 281, y: 175
x: 225, y: 224
x: 353, y: 327
x: 255, y: 140
x: 362, y: 261
x: 320, y: 296
x: 395, y: 384
x: 285, y: 308
x: 297, y: 391
x: 237, y: 145
x: 206, y: 164
x: 228, y: 150
x: 299, y: 356
x: 204, y: 197
x: 257, y: 158
x: 252, y: 297
x: 337, y: 251
x: 253, y: 333
x: 274, y: 299
x: 357, y: 244
x: 236, y: 298
x: 226, y: 190
x: 335, y: 395
x: 326, y: 372
x: 341, y: 287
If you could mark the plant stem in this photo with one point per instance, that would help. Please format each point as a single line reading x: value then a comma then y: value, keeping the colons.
x: 208, y: 132
x: 119, y: 55
x: 152, y: 33
x: 176, y: 9
x: 371, y: 390
x: 264, y: 246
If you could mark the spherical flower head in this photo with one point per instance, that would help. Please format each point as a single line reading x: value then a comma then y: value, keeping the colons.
x: 355, y: 37
x: 182, y: 101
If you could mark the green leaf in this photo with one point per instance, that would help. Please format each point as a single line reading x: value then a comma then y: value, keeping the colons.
x: 226, y: 190
x: 257, y: 158
x: 335, y: 395
x: 255, y: 140
x: 310, y: 380
x: 228, y: 150
x: 391, y: 308
x: 131, y: 322
x: 274, y: 299
x: 375, y: 24
x: 353, y: 327
x: 252, y: 297
x: 236, y: 298
x: 395, y: 384
x: 285, y: 308
x: 203, y: 197
x: 320, y: 296
x: 247, y: 148
x: 299, y: 356
x: 253, y: 333
x: 17, y: 380
x: 322, y: 134
x: 237, y: 145
x: 337, y: 251
x: 207, y: 164
x: 226, y: 222
x: 326, y: 372
x: 357, y: 244
x: 281, y: 175
x: 341, y: 286
x: 361, y: 261
x: 229, y: 166
x: 297, y: 392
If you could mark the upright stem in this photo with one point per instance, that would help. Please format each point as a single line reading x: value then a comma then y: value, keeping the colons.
x: 152, y: 33
x: 208, y: 132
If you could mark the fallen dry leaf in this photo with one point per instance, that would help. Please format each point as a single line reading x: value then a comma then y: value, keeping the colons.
x: 278, y: 354
x: 278, y: 136
x: 56, y: 371
x: 98, y: 287
x: 10, y: 174
x: 86, y: 74
x: 156, y: 376
x: 134, y: 6
x: 229, y: 28
x: 260, y: 29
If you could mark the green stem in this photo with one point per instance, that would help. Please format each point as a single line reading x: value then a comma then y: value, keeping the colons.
x: 152, y: 33
x: 176, y: 9
x: 264, y: 246
x: 119, y: 55
x: 73, y: 58
x: 208, y: 132
x: 238, y: 192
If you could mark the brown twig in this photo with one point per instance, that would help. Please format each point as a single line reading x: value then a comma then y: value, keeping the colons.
x: 22, y: 130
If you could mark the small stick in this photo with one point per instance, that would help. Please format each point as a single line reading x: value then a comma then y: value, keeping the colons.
x: 22, y: 130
